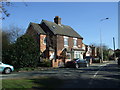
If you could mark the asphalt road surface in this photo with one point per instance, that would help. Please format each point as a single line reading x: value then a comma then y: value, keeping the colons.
x: 105, y: 75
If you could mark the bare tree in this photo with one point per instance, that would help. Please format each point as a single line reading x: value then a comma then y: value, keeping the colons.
x: 13, y: 32
x: 3, y: 10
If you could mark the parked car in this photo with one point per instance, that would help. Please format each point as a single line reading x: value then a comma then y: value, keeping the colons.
x: 111, y: 58
x: 96, y: 60
x: 91, y: 59
x: 76, y: 63
x: 5, y: 68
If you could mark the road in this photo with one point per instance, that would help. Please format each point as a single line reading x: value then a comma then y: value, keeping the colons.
x: 105, y: 75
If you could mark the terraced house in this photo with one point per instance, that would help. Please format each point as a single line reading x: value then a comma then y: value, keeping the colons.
x: 57, y: 42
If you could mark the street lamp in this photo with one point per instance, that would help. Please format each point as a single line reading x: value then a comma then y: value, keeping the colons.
x: 101, y: 47
x: 114, y: 48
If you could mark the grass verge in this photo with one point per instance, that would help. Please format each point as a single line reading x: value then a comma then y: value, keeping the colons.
x: 34, y: 83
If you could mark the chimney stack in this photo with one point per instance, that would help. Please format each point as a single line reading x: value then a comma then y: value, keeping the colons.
x: 57, y: 20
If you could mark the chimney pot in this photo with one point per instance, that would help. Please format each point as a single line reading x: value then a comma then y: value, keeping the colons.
x: 57, y: 20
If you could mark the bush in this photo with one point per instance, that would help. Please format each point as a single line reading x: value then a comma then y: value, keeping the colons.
x: 26, y: 69
x: 23, y: 53
x: 46, y: 63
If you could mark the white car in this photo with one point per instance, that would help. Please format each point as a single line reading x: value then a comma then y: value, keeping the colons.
x: 5, y: 68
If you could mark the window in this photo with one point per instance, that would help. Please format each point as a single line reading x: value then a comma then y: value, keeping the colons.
x: 75, y: 41
x: 65, y: 41
x: 77, y: 54
x: 51, y: 55
x: 44, y: 40
x: 68, y: 56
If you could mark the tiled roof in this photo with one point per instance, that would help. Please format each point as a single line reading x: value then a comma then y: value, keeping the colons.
x: 60, y: 29
x: 38, y: 28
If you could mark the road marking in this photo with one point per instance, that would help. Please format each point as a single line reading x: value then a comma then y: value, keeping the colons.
x: 101, y: 66
x: 95, y: 74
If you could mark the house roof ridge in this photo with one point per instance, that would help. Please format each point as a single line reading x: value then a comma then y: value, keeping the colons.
x: 55, y: 23
x: 34, y: 23
x: 37, y: 27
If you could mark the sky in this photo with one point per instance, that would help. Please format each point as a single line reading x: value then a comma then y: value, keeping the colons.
x: 83, y: 17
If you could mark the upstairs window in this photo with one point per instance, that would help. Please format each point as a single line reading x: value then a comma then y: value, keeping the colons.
x: 75, y: 41
x: 65, y: 41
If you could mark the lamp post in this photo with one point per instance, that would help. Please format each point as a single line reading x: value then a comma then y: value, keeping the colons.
x: 114, y: 48
x: 101, y: 47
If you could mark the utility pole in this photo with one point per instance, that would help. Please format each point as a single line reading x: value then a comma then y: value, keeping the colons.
x: 114, y: 48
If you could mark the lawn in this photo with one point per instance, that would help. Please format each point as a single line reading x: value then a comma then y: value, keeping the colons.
x: 34, y: 83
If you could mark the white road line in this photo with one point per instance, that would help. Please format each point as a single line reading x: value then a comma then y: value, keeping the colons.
x: 97, y: 71
x: 95, y: 74
x: 101, y: 66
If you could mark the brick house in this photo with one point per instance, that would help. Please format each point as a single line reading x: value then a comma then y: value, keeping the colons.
x: 59, y: 43
x: 91, y: 50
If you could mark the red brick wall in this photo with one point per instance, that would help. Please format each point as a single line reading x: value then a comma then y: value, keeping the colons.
x: 79, y: 43
x: 60, y: 46
x: 55, y: 64
x: 60, y: 42
x: 70, y: 43
x: 42, y: 45
x: 31, y: 31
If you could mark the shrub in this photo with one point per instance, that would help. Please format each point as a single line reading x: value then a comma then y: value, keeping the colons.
x: 23, y: 53
x: 46, y: 63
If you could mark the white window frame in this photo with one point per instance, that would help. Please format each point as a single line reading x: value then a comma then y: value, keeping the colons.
x: 65, y: 37
x: 77, y: 53
x: 74, y: 39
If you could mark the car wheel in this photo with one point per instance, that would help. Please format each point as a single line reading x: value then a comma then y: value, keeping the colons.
x: 7, y: 70
x: 76, y: 66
